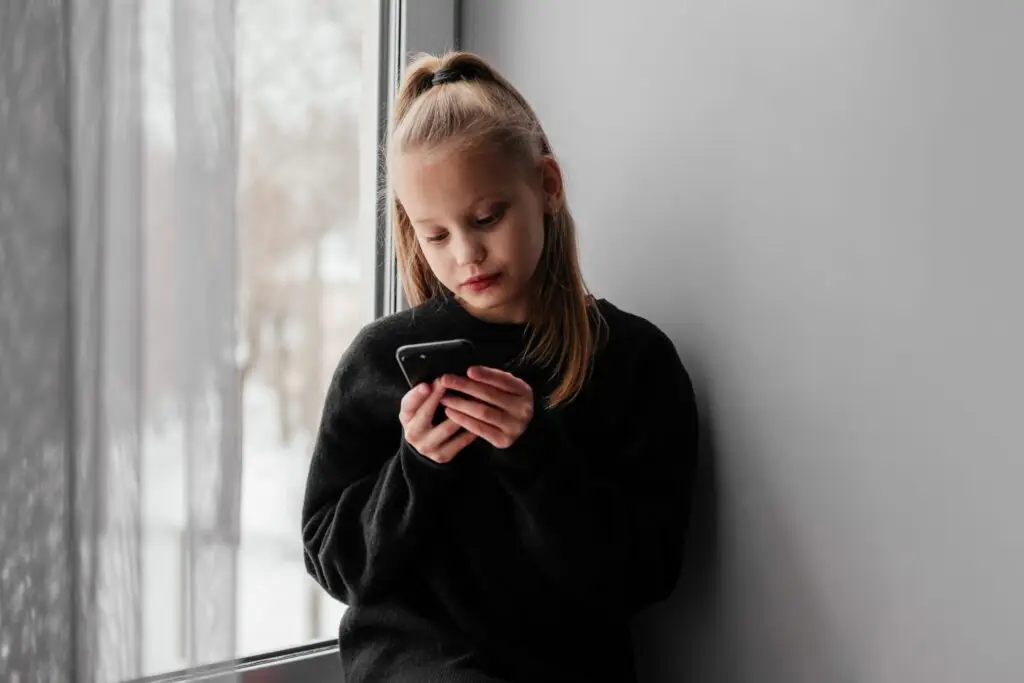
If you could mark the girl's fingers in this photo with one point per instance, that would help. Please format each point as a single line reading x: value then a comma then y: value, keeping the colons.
x: 412, y: 400
x: 434, y: 439
x: 500, y: 379
x: 483, y: 392
x: 422, y: 420
x: 452, y: 447
x: 476, y: 409
x: 484, y: 430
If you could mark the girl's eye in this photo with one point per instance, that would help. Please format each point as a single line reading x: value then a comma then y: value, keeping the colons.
x: 440, y: 237
x: 493, y: 217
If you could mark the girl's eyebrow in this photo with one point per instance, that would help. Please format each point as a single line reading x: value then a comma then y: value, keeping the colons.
x: 493, y: 196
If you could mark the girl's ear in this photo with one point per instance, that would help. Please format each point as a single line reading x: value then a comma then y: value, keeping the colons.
x: 551, y: 184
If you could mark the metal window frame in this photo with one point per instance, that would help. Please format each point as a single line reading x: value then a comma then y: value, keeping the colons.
x: 311, y: 662
x: 415, y: 27
x: 406, y: 28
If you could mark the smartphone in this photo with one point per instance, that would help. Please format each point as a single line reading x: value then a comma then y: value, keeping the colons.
x: 426, y: 362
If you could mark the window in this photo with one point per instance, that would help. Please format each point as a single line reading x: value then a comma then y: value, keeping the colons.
x: 306, y: 285
x: 194, y: 240
x: 303, y: 278
x: 223, y: 577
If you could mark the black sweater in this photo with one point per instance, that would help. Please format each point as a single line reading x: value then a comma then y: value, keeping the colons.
x: 522, y: 565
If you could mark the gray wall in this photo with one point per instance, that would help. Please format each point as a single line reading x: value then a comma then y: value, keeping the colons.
x: 821, y: 202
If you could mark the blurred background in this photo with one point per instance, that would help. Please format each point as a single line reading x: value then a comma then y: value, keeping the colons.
x: 277, y: 193
x: 177, y: 340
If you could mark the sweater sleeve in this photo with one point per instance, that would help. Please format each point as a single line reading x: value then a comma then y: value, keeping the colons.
x: 366, y: 507
x: 612, y: 538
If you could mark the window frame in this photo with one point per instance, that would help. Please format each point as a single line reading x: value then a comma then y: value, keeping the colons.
x: 432, y: 26
x: 405, y: 28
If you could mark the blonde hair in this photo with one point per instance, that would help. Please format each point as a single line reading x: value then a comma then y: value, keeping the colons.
x: 460, y: 99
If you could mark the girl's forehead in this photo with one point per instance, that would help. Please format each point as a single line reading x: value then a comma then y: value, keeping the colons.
x: 486, y: 162
x: 429, y: 176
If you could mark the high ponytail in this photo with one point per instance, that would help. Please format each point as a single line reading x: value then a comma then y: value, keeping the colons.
x: 459, y: 98
x: 417, y: 80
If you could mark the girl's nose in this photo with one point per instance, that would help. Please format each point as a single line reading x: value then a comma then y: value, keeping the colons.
x: 469, y: 250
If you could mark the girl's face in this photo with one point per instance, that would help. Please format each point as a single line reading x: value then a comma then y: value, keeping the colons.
x: 479, y: 221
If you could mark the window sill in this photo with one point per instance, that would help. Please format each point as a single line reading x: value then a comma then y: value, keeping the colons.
x: 313, y: 662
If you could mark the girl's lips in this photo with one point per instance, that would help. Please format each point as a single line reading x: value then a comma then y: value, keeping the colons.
x: 478, y: 284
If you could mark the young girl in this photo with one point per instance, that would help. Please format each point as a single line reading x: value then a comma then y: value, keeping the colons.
x: 512, y: 540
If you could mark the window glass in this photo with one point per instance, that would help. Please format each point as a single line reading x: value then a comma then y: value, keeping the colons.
x: 303, y: 279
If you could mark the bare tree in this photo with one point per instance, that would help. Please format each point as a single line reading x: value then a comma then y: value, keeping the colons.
x: 298, y: 182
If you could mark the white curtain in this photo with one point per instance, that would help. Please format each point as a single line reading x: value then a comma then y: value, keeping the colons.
x: 180, y: 218
x: 154, y: 240
x: 36, y: 579
x: 117, y: 314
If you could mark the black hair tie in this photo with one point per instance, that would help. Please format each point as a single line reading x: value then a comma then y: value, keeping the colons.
x: 463, y: 72
x: 442, y: 76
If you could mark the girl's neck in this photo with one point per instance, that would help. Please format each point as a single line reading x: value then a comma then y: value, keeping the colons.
x: 512, y: 313
x: 492, y: 328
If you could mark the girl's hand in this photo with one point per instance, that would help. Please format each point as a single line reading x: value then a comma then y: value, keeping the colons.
x: 439, y: 443
x: 499, y: 410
